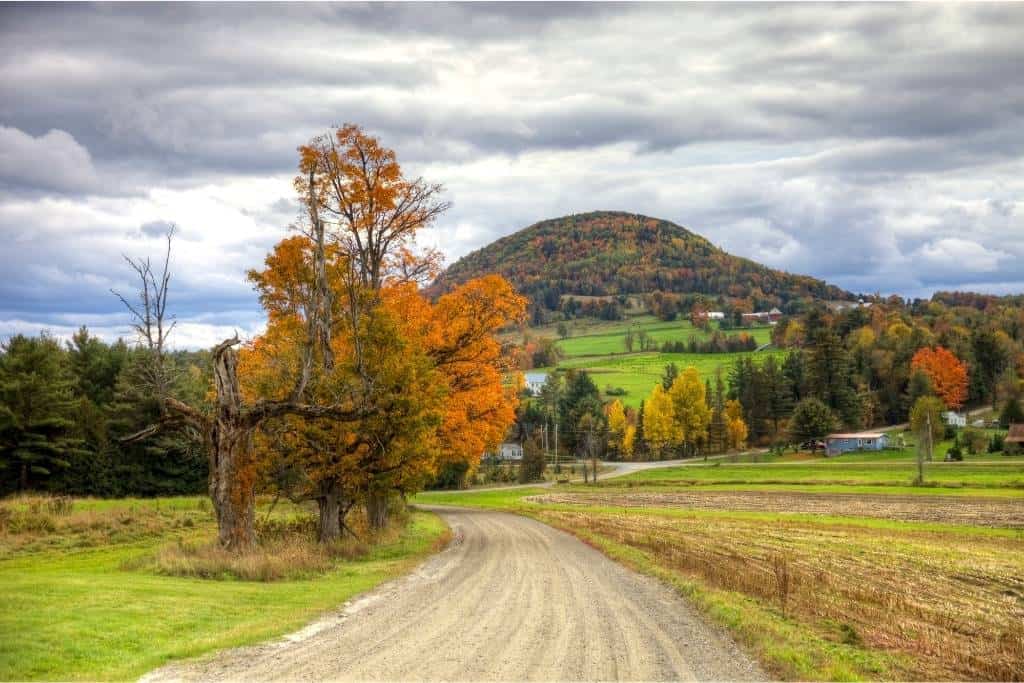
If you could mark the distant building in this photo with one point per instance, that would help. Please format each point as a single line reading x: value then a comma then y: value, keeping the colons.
x: 837, y: 444
x: 534, y: 381
x: 840, y: 306
x: 954, y: 419
x: 762, y: 317
x: 716, y: 315
x: 1014, y: 441
x: 509, y: 451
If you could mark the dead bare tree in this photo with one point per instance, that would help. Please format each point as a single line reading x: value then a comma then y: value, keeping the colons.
x: 150, y: 318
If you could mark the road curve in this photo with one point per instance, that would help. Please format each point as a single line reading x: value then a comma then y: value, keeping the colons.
x: 510, y: 599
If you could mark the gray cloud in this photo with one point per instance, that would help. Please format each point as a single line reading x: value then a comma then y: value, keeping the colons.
x: 875, y: 145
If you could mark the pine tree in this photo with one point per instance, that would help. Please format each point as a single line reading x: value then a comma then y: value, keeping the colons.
x: 36, y: 429
x: 830, y: 377
x: 717, y: 427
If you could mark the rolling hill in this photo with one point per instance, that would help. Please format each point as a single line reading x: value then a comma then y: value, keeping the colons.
x: 608, y: 253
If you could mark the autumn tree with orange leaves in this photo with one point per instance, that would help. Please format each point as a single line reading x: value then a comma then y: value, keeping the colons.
x: 427, y: 377
x: 363, y: 384
x: 947, y: 373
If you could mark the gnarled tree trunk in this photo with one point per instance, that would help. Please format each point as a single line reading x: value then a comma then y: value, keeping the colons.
x: 232, y: 460
x: 377, y: 507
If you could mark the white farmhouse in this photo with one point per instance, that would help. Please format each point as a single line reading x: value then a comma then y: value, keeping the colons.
x: 534, y: 381
x: 510, y: 451
x: 954, y: 419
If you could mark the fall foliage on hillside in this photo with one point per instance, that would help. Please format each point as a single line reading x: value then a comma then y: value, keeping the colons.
x: 947, y: 373
x: 611, y: 253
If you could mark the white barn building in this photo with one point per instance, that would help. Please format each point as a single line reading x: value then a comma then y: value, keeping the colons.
x: 534, y: 381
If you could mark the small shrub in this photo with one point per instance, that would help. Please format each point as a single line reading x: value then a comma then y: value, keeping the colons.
x: 995, y: 445
x: 275, y: 528
x: 285, y: 559
x: 31, y: 522
x: 849, y: 636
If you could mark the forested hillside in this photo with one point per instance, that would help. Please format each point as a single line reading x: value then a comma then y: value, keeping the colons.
x: 614, y: 253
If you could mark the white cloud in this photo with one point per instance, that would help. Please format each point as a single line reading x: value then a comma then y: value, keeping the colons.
x: 54, y: 161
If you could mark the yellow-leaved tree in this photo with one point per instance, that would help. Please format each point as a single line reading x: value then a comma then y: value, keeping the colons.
x: 661, y: 430
x: 691, y: 410
x: 735, y: 427
x: 615, y: 416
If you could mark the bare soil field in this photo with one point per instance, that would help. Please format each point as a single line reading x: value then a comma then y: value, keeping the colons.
x: 988, y: 512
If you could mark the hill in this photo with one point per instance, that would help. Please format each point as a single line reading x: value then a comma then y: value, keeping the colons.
x: 611, y: 253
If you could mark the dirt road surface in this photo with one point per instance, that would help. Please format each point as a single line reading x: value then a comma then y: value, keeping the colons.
x: 510, y: 599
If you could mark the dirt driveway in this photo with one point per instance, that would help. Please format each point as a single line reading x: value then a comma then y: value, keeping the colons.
x: 510, y: 599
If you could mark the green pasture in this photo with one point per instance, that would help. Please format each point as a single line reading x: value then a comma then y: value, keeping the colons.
x: 637, y: 373
x: 87, y: 614
x: 611, y: 339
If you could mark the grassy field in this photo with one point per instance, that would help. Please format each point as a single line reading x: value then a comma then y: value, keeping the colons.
x: 610, y: 339
x: 818, y: 585
x: 599, y: 347
x: 993, y: 474
x: 637, y: 373
x: 78, y: 603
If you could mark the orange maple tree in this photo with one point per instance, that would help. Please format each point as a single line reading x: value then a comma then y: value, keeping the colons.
x: 947, y: 373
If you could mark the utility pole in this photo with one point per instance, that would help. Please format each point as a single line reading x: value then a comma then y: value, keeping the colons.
x: 558, y: 466
x: 920, y: 451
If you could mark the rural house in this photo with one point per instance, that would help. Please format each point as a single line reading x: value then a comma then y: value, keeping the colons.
x: 534, y: 381
x: 771, y: 317
x: 954, y: 419
x: 1014, y: 442
x: 837, y: 444
x: 509, y: 451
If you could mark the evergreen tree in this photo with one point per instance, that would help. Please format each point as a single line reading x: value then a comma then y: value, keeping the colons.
x: 36, y: 429
x: 639, y: 439
x: 580, y: 397
x: 830, y: 377
x: 669, y: 376
x: 778, y: 392
x: 1011, y: 413
x: 717, y: 427
x: 812, y: 420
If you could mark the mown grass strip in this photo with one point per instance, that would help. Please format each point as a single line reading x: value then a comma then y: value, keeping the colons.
x: 80, y: 616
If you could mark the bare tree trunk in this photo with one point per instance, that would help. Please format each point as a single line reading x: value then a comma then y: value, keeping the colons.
x: 377, y: 508
x: 232, y: 460
x: 329, y: 505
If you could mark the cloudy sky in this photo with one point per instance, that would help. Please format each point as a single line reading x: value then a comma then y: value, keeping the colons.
x: 876, y: 146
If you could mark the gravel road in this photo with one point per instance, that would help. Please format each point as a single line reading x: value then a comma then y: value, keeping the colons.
x: 510, y: 599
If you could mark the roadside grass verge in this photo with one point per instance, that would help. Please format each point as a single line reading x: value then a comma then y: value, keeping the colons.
x: 105, y: 609
x: 821, y: 596
x: 976, y: 475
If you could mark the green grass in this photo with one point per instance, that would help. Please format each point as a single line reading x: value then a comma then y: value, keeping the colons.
x: 81, y: 615
x: 637, y: 373
x: 611, y: 339
x: 978, y: 475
